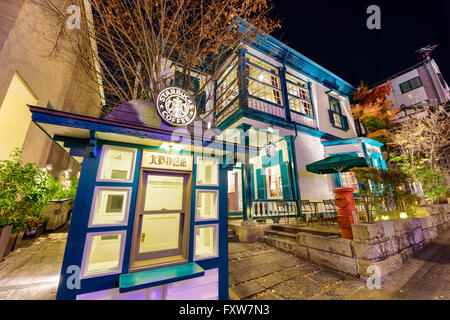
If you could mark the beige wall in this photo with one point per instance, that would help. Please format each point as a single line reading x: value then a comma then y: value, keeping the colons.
x: 26, y: 38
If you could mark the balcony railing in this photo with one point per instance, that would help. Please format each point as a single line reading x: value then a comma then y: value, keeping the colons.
x: 273, y: 209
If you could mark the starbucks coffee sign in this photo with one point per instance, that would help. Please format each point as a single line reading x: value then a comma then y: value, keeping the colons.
x: 176, y: 107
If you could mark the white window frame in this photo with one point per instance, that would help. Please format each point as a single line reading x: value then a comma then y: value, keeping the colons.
x: 197, y: 219
x: 197, y: 171
x: 86, y: 250
x: 216, y: 225
x: 94, y: 204
x: 102, y: 159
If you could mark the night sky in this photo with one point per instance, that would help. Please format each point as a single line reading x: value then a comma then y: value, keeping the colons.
x: 334, y: 34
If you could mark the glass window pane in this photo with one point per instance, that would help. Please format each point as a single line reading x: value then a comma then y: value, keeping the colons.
x: 273, y: 182
x: 104, y: 254
x: 207, y: 205
x: 110, y: 207
x: 415, y: 83
x: 405, y: 87
x: 164, y: 193
x: 205, y: 242
x: 337, y: 120
x: 160, y: 232
x: 207, y: 171
x: 117, y: 164
x: 262, y: 64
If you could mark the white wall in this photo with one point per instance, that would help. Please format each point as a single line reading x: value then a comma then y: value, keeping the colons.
x: 314, y: 187
x: 409, y: 98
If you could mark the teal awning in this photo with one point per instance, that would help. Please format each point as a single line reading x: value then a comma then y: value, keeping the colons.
x: 337, y: 163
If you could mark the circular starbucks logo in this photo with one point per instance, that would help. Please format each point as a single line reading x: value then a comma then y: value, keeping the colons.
x: 176, y: 107
x: 271, y: 150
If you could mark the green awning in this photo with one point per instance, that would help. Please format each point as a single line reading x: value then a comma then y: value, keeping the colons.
x: 337, y: 163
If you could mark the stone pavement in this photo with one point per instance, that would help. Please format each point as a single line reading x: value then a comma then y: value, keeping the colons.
x: 258, y: 271
x: 31, y: 272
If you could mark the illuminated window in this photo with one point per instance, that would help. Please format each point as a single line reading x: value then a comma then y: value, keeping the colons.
x: 207, y: 171
x: 110, y: 206
x: 348, y: 179
x: 263, y: 80
x: 207, y: 205
x: 273, y: 182
x: 299, y: 96
x: 227, y: 87
x: 206, y: 242
x: 160, y: 232
x: 164, y: 193
x: 103, y: 253
x: 337, y: 118
x: 117, y: 164
x: 162, y: 219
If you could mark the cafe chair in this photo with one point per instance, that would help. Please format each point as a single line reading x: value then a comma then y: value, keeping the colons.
x: 307, y: 209
x: 330, y: 210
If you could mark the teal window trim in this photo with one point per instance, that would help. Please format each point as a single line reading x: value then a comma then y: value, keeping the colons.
x: 248, y: 78
x: 308, y: 84
x: 338, y: 111
x: 156, y: 277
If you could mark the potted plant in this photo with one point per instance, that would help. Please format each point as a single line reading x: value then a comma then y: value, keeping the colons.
x: 17, y: 233
x: 58, y: 210
x: 25, y: 189
x: 5, y: 233
x: 35, y: 226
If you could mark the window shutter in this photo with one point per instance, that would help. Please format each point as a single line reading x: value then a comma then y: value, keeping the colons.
x: 330, y: 113
x: 260, y: 184
x: 284, y: 170
x: 337, y: 180
x: 345, y: 123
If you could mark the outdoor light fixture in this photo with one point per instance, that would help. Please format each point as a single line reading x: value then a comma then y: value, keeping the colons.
x: 270, y: 129
x: 403, y: 215
x: 209, y: 125
x: 169, y: 146
x: 385, y: 218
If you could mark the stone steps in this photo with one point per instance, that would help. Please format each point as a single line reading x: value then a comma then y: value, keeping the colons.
x: 281, y: 234
x: 232, y: 236
x: 305, y: 229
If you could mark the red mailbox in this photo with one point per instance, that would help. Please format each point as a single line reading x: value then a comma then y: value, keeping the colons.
x: 346, y: 211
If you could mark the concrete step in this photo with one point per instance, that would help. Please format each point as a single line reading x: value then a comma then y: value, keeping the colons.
x: 279, y: 243
x: 281, y: 234
x: 326, y: 232
x: 286, y: 228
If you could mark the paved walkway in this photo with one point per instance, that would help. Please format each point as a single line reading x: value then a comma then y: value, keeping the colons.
x: 257, y: 271
x: 260, y: 272
x: 31, y: 272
